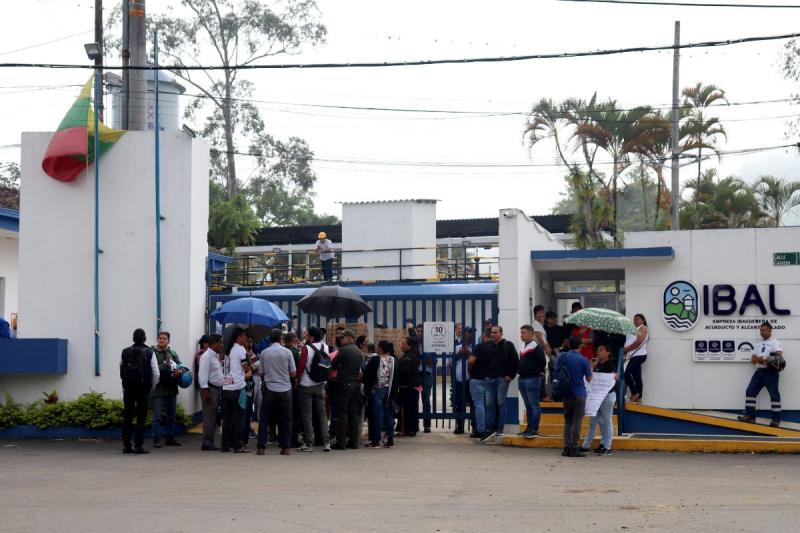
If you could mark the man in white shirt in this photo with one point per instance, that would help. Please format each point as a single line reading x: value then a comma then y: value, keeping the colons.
x: 233, y: 382
x: 277, y: 371
x: 210, y: 379
x: 766, y: 355
x: 324, y: 248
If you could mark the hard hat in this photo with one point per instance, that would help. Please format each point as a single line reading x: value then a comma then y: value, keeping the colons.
x: 186, y: 378
x: 322, y: 235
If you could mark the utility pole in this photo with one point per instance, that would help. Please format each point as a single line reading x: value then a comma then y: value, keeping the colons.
x: 134, y: 54
x: 98, y: 38
x: 676, y: 182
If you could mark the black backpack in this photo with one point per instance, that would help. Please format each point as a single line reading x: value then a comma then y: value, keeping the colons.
x: 320, y: 368
x: 135, y: 369
x: 562, y: 382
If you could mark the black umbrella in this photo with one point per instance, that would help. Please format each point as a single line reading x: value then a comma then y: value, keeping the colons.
x: 333, y: 301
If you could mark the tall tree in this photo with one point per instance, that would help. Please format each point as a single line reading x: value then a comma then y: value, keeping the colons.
x: 721, y: 203
x: 9, y: 175
x: 619, y: 133
x: 703, y: 131
x: 586, y: 200
x: 777, y: 197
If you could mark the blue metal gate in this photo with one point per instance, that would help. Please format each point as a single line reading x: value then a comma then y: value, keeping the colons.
x: 471, y: 304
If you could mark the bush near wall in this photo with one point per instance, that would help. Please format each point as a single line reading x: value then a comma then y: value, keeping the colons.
x: 91, y: 410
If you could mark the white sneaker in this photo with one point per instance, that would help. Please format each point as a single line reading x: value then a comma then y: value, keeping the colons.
x: 327, y: 448
x: 305, y: 448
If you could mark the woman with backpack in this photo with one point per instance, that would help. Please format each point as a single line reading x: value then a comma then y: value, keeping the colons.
x: 313, y: 372
x: 408, y: 382
x: 380, y: 387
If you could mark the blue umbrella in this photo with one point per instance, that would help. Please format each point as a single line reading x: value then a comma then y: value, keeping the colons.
x: 250, y: 311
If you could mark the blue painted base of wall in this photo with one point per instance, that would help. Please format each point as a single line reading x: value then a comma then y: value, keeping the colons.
x: 71, y: 432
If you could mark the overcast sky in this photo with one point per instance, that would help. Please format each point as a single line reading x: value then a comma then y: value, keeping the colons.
x: 379, y: 30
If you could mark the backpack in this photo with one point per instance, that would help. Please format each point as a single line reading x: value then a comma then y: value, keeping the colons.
x: 320, y: 368
x: 135, y: 368
x: 562, y: 382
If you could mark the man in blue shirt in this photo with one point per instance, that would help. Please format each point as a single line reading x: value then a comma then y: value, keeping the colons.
x: 575, y: 396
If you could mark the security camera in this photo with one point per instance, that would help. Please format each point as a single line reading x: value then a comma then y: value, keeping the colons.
x: 507, y: 213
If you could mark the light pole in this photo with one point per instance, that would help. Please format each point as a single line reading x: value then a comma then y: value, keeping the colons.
x: 94, y: 52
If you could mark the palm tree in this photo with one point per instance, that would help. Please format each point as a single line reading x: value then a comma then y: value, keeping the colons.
x: 703, y: 131
x: 544, y: 122
x: 592, y: 213
x: 619, y: 133
x: 723, y: 203
x: 777, y: 197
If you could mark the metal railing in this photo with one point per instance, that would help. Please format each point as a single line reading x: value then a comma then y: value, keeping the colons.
x: 400, y: 264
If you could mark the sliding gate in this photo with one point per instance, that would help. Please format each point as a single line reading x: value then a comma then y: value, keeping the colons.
x: 393, y: 306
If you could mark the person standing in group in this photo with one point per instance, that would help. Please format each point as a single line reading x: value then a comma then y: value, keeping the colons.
x: 324, y: 247
x: 602, y: 365
x: 477, y: 364
x: 539, y: 331
x: 234, y: 396
x: 381, y: 386
x: 139, y: 373
x: 532, y: 363
x: 277, y: 369
x: 408, y: 388
x: 636, y: 353
x: 250, y: 391
x: 555, y: 338
x: 426, y: 377
x: 571, y: 383
x: 202, y: 346
x: 501, y: 369
x: 165, y: 394
x: 314, y: 370
x: 769, y: 361
x: 210, y: 380
x: 461, y: 377
x: 292, y: 342
x: 586, y: 335
x: 346, y: 392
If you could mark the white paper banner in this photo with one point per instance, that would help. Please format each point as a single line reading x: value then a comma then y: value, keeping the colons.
x: 597, y: 390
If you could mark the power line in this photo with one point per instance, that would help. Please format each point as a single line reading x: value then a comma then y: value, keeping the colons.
x: 45, y: 43
x: 422, y: 62
x: 684, y: 4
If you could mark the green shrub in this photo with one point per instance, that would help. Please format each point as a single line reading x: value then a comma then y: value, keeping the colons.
x: 91, y: 410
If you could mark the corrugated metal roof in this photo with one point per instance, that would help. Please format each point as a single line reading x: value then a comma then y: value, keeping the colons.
x: 417, y: 200
x: 379, y: 291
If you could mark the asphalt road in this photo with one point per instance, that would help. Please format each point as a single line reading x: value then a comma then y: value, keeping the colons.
x: 436, y: 482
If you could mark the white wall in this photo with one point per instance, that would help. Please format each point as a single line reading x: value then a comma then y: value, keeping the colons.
x: 381, y: 225
x: 736, y: 257
x: 56, y: 257
x: 520, y: 286
x: 9, y: 271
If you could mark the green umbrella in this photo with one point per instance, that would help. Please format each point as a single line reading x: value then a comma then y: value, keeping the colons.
x: 604, y: 320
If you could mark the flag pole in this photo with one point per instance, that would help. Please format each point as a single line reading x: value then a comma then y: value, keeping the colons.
x: 97, y: 82
x: 156, y: 74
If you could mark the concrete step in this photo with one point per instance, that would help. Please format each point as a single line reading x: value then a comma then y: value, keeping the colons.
x: 674, y: 443
x: 793, y: 426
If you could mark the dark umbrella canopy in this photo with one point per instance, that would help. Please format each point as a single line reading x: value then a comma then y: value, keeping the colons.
x: 333, y: 301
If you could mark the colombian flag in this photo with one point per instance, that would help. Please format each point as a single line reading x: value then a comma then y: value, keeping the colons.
x: 71, y: 149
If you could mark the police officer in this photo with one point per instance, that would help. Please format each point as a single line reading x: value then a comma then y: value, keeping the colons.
x: 768, y: 357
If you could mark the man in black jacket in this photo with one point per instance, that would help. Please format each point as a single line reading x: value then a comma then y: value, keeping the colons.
x: 532, y: 363
x: 501, y: 368
x: 346, y: 391
x: 477, y: 384
x: 139, y: 374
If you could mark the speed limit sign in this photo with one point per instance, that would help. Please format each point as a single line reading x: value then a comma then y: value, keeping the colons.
x: 438, y: 337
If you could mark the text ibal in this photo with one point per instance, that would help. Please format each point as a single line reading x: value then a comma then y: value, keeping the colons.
x: 724, y: 302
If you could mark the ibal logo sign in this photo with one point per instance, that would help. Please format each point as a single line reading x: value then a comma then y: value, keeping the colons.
x: 682, y: 303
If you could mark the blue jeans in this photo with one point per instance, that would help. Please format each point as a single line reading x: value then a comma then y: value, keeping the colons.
x: 530, y: 389
x: 461, y: 399
x: 477, y: 389
x: 603, y: 418
x: 764, y: 377
x: 496, y: 391
x: 158, y: 405
x: 427, y: 388
x: 382, y: 417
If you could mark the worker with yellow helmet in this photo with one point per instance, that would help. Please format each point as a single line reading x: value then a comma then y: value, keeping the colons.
x: 324, y: 248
